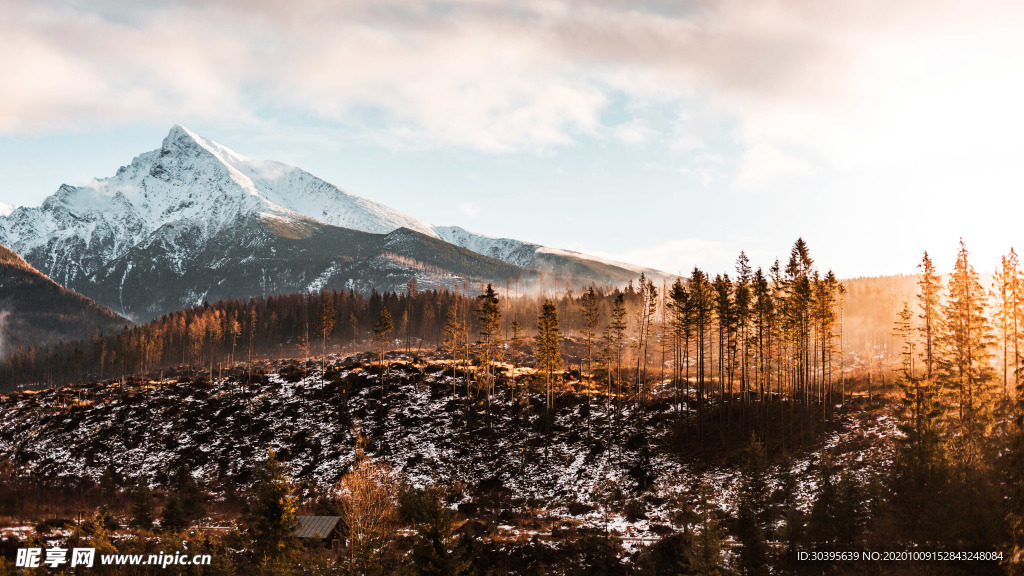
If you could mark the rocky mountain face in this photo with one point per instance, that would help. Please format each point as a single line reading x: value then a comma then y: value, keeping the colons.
x: 194, y: 221
x: 35, y: 310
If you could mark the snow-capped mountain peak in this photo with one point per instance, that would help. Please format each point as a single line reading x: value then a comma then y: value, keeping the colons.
x: 195, y: 185
x: 203, y: 221
x: 183, y: 138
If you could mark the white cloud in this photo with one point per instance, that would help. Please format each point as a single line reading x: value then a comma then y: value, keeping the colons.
x: 763, y: 165
x: 469, y: 209
x: 854, y: 84
x: 635, y: 131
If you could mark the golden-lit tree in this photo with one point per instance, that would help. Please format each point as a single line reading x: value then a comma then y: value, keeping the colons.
x: 489, y: 321
x: 928, y: 301
x: 368, y: 511
x: 964, y: 361
x: 549, y: 358
x: 1008, y: 311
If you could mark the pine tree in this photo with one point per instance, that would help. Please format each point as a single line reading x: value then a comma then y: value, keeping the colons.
x: 964, y: 360
x: 193, y: 500
x: 799, y: 271
x: 764, y: 322
x: 439, y: 550
x: 304, y: 345
x: 918, y: 448
x: 722, y: 287
x: 1012, y: 469
x: 549, y: 359
x: 381, y: 332
x: 270, y: 510
x: 489, y: 319
x: 742, y: 303
x: 918, y: 474
x: 1012, y: 459
x: 1017, y: 315
x: 1006, y: 291
x: 451, y: 337
x: 515, y: 352
x: 591, y: 318
x: 825, y: 294
x: 928, y: 301
x: 616, y: 337
x: 966, y: 376
x: 353, y: 325
x: 327, y: 319
x: 645, y: 316
x: 702, y: 305
x: 851, y: 512
x: 142, y: 506
x: 753, y: 513
x: 403, y: 327
x: 705, y: 556
x: 682, y: 328
x: 822, y: 522
x: 173, y: 517
x: 904, y: 331
x: 791, y: 533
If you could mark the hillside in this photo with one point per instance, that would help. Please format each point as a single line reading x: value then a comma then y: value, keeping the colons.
x: 595, y: 459
x: 35, y: 310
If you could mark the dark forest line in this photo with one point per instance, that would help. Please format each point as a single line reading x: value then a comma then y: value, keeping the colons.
x: 779, y: 331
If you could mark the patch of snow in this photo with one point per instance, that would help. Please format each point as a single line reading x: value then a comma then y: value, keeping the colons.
x: 191, y: 183
x: 508, y: 250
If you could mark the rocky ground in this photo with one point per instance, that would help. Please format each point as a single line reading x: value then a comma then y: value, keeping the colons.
x: 595, y: 465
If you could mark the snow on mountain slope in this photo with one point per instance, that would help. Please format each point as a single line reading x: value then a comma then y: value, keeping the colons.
x: 6, y: 209
x: 295, y: 190
x: 191, y: 179
x: 190, y: 187
x: 529, y: 255
x: 181, y: 223
x: 508, y: 250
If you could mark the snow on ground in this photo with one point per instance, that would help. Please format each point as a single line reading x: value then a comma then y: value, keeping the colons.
x: 577, y: 473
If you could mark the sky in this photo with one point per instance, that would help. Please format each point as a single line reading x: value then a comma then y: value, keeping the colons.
x: 669, y: 134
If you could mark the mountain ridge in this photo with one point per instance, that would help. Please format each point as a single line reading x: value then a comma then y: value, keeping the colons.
x: 175, y: 207
x: 35, y: 310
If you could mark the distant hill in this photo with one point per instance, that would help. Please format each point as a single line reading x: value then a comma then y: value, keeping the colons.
x: 35, y: 310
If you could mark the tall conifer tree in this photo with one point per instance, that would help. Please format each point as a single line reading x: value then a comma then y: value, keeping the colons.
x: 548, y: 357
x: 965, y: 358
x: 489, y: 318
x: 381, y: 334
x: 929, y: 288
